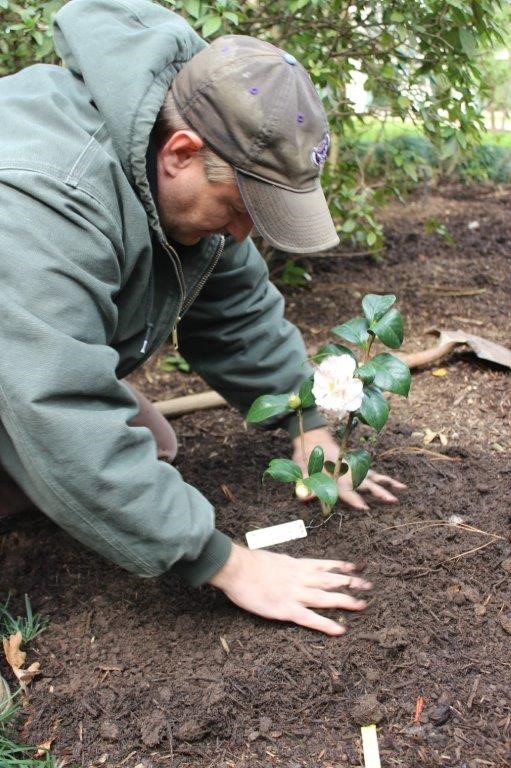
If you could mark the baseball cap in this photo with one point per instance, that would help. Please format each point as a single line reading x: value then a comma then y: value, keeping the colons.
x: 257, y: 108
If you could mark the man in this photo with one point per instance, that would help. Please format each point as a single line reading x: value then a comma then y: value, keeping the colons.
x: 119, y: 177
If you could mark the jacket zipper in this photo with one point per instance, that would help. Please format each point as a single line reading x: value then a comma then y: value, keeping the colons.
x: 200, y: 285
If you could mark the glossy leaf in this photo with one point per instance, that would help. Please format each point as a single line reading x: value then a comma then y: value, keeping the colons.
x: 305, y: 393
x: 375, y: 306
x: 374, y: 410
x: 359, y: 462
x: 327, y: 350
x: 316, y: 460
x: 366, y: 372
x: 323, y: 486
x: 354, y: 330
x: 390, y: 329
x: 267, y: 406
x: 285, y: 470
x: 391, y: 374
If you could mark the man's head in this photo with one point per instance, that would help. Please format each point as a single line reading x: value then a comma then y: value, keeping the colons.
x: 197, y: 190
x: 252, y: 120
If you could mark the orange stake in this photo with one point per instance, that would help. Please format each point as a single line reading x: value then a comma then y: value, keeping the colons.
x: 418, y: 710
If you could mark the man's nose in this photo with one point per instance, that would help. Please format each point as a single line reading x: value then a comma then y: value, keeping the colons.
x: 240, y: 227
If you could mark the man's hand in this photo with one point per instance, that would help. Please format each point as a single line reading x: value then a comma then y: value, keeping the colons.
x: 373, y: 482
x: 287, y: 588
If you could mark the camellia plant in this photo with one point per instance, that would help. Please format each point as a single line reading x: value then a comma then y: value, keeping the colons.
x: 349, y: 387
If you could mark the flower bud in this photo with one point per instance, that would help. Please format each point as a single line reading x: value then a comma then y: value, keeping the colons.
x: 301, y: 490
x: 294, y: 401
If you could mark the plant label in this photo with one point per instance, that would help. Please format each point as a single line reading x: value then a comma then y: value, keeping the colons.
x: 276, y: 534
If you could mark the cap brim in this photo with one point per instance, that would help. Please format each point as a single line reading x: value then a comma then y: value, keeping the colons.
x: 297, y: 222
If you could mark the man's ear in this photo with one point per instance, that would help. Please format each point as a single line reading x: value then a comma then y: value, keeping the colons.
x: 179, y: 150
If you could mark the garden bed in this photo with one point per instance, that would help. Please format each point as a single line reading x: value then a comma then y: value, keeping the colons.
x: 151, y: 673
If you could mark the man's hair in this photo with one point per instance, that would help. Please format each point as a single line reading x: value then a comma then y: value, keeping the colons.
x: 169, y: 121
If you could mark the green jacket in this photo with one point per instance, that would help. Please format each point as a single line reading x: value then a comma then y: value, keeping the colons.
x: 90, y: 289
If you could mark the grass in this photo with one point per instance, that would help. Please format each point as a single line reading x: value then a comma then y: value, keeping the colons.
x: 12, y: 754
x: 29, y: 625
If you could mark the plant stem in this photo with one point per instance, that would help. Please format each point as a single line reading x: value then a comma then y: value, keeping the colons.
x: 343, y: 446
x: 368, y: 350
x: 299, y: 413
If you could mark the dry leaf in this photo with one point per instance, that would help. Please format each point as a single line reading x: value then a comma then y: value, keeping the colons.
x: 16, y: 659
x: 429, y: 436
x: 225, y: 644
x: 43, y: 748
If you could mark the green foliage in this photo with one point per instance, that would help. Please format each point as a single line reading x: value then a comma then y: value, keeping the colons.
x: 12, y: 754
x: 26, y: 33
x: 174, y: 363
x: 374, y: 410
x: 331, y: 349
x: 359, y: 462
x: 335, y: 389
x: 268, y: 406
x: 29, y: 625
x: 316, y: 460
x: 305, y: 393
x: 323, y: 486
x: 429, y: 63
x: 285, y: 470
x: 354, y: 330
x: 387, y: 372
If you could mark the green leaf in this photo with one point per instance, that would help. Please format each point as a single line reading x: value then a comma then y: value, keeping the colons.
x: 371, y: 238
x: 390, y: 329
x: 327, y: 350
x: 366, y: 372
x: 316, y: 460
x: 391, y: 374
x: 211, y: 25
x: 330, y: 467
x: 375, y: 306
x: 374, y: 410
x: 468, y: 42
x: 305, y: 393
x: 349, y: 226
x: 285, y: 470
x: 193, y: 7
x: 323, y: 486
x: 267, y: 406
x: 231, y: 16
x: 359, y: 462
x: 354, y: 330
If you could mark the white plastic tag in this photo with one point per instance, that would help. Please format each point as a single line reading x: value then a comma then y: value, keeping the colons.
x: 370, y: 746
x: 276, y: 534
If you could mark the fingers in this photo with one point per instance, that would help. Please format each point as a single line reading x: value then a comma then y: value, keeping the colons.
x: 386, y: 479
x: 335, y: 581
x: 378, y: 491
x: 318, y: 598
x: 353, y: 499
x: 312, y: 620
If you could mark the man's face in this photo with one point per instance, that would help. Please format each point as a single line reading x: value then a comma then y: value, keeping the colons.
x: 191, y: 207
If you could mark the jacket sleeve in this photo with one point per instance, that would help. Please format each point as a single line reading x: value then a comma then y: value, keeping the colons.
x: 236, y: 336
x: 64, y: 415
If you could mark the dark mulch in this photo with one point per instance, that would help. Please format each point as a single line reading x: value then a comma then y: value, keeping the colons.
x: 150, y: 673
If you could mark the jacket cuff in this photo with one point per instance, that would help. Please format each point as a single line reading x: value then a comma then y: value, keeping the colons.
x: 211, y: 559
x: 312, y: 419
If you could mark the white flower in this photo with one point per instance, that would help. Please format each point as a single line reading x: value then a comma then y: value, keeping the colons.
x: 334, y: 387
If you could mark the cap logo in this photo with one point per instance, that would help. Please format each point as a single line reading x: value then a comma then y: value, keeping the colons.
x: 319, y: 153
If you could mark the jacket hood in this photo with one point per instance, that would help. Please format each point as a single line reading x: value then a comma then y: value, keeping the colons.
x: 127, y: 54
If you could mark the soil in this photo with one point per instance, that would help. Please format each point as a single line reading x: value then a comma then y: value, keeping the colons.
x: 149, y: 673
